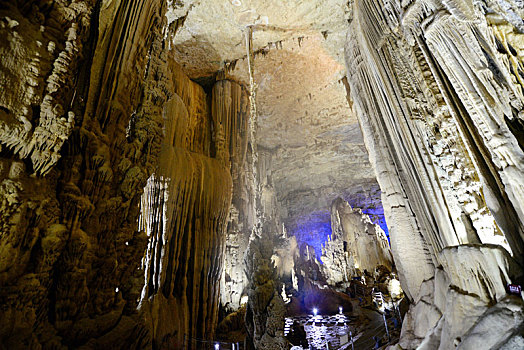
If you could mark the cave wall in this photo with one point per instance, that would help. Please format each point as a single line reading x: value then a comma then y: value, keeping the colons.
x: 116, y: 177
x: 82, y: 90
x: 185, y: 209
x: 437, y: 88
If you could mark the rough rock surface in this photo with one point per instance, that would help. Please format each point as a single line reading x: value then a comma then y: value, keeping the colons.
x: 85, y: 106
x: 355, y: 244
x: 212, y: 35
x: 265, y: 308
x: 41, y: 47
x: 437, y: 88
x: 81, y: 103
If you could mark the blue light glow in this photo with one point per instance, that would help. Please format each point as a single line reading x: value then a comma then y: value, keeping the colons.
x: 314, y: 230
x: 375, y: 214
x: 377, y: 217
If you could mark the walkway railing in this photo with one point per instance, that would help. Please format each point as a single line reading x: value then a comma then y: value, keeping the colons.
x: 378, y: 298
x: 202, y: 344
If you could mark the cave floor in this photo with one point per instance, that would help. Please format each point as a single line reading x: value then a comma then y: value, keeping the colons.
x: 364, y: 340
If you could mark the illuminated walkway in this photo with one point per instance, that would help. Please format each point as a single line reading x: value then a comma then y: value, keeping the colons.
x: 321, y: 329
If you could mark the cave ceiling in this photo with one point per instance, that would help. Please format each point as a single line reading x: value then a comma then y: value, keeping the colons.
x: 305, y: 122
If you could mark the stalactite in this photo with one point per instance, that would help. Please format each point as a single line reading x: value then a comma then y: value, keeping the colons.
x: 38, y: 117
x: 78, y: 261
x: 265, y: 309
x: 230, y: 104
x: 432, y: 94
x: 185, y: 209
x: 253, y: 125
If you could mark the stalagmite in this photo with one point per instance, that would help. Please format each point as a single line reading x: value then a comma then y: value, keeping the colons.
x: 185, y: 207
x: 356, y: 245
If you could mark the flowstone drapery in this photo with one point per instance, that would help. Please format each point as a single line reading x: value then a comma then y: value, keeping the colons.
x: 185, y: 210
x: 439, y: 100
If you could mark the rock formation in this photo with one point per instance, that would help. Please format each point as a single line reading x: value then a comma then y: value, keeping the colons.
x: 131, y: 179
x: 185, y: 206
x: 80, y: 129
x: 438, y: 95
x: 355, y: 244
x: 265, y: 308
x: 94, y: 110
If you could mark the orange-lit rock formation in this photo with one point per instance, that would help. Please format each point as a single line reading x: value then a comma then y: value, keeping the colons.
x: 185, y: 209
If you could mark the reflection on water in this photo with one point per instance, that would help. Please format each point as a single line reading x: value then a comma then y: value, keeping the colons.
x: 321, y: 330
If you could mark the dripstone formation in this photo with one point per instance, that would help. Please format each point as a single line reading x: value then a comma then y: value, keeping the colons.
x: 185, y: 206
x: 80, y: 130
x: 265, y: 308
x: 142, y: 200
x: 437, y: 87
x: 356, y: 245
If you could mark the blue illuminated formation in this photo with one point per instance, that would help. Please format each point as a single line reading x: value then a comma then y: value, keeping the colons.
x: 377, y: 217
x: 376, y: 214
x: 313, y: 230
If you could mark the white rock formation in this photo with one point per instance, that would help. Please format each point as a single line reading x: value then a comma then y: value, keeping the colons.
x: 356, y: 244
x: 438, y: 91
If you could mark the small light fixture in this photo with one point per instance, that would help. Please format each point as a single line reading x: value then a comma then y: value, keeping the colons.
x: 315, y: 311
x: 340, y: 309
x: 217, y: 346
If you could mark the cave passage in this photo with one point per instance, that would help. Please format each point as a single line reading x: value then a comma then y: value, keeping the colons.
x: 262, y: 174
